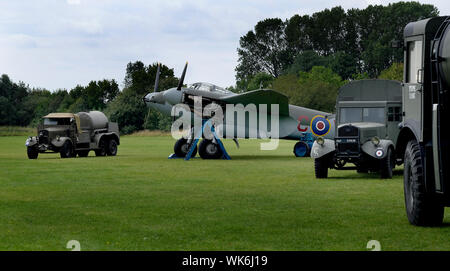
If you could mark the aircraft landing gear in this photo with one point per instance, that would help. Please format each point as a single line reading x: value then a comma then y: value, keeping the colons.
x: 208, y: 149
x: 181, y: 148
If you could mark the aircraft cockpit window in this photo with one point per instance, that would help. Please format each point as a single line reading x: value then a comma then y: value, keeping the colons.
x: 208, y: 87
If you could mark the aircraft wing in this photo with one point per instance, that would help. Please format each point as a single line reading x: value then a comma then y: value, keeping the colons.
x: 260, y: 96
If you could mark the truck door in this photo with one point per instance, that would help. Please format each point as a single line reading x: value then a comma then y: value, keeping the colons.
x: 412, y: 88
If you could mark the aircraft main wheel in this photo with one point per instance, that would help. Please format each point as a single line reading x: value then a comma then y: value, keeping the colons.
x: 422, y: 208
x: 301, y: 149
x: 32, y: 152
x: 321, y: 166
x: 387, y: 165
x: 83, y: 153
x: 66, y: 150
x: 209, y: 150
x: 101, y: 148
x: 181, y: 148
x: 112, y: 148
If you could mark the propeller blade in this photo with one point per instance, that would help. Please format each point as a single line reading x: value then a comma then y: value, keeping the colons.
x: 180, y: 83
x: 158, y: 72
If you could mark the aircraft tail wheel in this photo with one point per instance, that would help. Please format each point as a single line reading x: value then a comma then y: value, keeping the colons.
x: 209, y: 150
x: 301, y: 149
x: 181, y: 148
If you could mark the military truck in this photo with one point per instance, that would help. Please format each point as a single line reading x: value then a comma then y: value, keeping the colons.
x: 424, y: 136
x: 368, y: 113
x: 75, y: 134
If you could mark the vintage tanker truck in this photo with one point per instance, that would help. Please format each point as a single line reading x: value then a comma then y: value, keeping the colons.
x: 75, y: 134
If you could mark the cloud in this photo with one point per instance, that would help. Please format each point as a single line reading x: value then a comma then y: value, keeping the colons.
x: 73, y: 2
x: 59, y: 44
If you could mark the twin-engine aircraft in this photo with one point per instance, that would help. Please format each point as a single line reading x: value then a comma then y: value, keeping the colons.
x: 293, y: 121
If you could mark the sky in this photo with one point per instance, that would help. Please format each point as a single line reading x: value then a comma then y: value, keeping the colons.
x: 57, y: 44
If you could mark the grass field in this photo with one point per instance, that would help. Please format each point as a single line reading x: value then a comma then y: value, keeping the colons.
x: 140, y: 200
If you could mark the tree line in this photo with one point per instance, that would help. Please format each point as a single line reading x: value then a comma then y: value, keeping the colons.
x: 24, y: 106
x: 309, y: 57
x: 306, y: 57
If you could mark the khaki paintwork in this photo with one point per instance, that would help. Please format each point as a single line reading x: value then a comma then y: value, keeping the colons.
x: 83, y: 134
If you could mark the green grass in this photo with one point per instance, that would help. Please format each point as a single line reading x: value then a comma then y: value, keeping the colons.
x: 140, y: 200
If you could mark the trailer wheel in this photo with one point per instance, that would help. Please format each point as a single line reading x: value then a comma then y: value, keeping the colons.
x: 101, y: 148
x: 181, y: 148
x: 32, y: 152
x: 421, y: 208
x: 209, y: 150
x: 387, y: 165
x: 66, y: 150
x: 112, y: 147
x: 301, y: 149
x: 321, y: 166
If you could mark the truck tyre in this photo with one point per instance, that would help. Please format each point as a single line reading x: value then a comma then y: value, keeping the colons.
x: 421, y: 208
x: 66, y: 150
x: 112, y: 147
x: 32, y: 152
x: 301, y: 149
x: 321, y: 166
x: 83, y: 153
x: 209, y: 150
x: 181, y: 148
x: 387, y: 165
x: 101, y: 151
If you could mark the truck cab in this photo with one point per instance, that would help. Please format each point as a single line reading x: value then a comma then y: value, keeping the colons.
x: 368, y: 113
x: 423, y: 139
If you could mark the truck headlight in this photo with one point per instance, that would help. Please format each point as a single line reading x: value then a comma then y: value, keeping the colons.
x: 375, y: 140
x: 320, y: 141
x: 57, y: 138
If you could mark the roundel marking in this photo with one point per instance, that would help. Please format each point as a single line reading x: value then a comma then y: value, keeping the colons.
x: 320, y: 125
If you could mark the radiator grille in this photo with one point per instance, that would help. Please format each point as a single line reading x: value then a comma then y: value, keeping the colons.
x: 348, y: 130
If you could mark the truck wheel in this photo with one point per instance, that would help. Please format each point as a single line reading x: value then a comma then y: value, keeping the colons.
x: 84, y: 153
x: 112, y: 147
x: 32, y: 153
x: 321, y: 166
x: 301, y: 149
x: 66, y: 150
x: 387, y: 165
x: 101, y: 148
x: 421, y: 208
x: 209, y: 150
x: 181, y: 148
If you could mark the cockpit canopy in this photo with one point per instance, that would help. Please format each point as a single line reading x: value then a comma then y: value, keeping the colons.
x: 207, y: 87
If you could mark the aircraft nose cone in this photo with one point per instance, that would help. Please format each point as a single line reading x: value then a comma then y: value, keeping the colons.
x: 154, y: 97
x: 148, y: 98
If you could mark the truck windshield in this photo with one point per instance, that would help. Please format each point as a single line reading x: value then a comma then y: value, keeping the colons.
x: 359, y: 114
x: 57, y: 121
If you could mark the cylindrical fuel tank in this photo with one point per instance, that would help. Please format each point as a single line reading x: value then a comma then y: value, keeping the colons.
x: 93, y: 120
x: 444, y: 52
